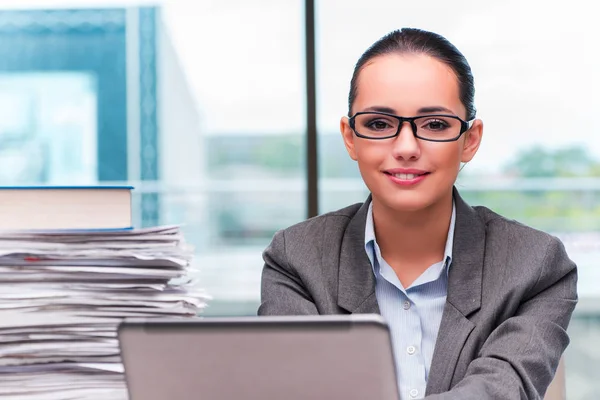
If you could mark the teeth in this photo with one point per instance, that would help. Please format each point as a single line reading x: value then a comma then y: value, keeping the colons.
x: 406, y: 177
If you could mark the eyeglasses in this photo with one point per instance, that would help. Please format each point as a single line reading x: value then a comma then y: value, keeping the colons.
x: 435, y: 128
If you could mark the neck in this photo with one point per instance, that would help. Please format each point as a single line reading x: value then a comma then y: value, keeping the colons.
x: 415, y: 237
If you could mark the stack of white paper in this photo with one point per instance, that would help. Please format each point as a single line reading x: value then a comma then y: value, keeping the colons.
x: 62, y: 295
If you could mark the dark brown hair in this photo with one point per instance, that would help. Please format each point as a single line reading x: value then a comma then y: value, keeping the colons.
x: 417, y: 41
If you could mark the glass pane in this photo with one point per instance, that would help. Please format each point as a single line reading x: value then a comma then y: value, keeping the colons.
x: 199, y: 105
x: 43, y: 118
x: 243, y: 67
x: 536, y: 88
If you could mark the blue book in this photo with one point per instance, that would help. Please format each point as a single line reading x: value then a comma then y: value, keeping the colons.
x: 65, y: 207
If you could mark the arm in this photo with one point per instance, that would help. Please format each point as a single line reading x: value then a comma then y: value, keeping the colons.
x: 519, y: 358
x: 282, y: 291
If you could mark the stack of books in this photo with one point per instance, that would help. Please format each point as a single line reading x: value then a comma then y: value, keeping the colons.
x: 71, y: 268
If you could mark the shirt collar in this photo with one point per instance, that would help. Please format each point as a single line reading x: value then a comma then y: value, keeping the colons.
x: 370, y: 239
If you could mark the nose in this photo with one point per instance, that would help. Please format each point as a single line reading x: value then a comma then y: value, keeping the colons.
x: 406, y: 145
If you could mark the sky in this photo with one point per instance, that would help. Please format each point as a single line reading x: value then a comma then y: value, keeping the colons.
x: 535, y: 63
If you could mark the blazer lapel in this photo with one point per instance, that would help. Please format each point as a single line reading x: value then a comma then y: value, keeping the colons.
x: 356, y: 285
x: 356, y: 282
x: 464, y: 295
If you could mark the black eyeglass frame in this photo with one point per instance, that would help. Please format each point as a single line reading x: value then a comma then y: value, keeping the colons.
x: 464, y: 125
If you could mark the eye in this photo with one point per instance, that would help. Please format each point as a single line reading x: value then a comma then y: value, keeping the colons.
x: 378, y: 125
x: 435, y: 124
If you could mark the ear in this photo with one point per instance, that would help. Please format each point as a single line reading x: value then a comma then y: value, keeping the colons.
x: 472, y: 141
x: 348, y: 136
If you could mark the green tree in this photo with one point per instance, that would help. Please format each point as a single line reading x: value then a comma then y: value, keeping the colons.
x: 279, y: 153
x: 538, y: 162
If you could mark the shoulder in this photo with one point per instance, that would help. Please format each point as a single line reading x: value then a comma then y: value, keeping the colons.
x: 502, y: 229
x: 524, y: 249
x: 332, y: 221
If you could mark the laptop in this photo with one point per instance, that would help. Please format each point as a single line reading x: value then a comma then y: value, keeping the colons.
x: 302, y: 357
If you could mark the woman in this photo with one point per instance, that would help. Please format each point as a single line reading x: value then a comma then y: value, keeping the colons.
x: 478, y: 305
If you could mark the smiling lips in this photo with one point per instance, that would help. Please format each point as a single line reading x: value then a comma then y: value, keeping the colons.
x: 406, y: 177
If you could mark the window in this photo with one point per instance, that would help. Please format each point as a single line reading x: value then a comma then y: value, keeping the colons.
x: 243, y: 67
x: 199, y: 105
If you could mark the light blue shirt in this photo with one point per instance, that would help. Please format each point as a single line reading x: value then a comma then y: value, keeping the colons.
x: 413, y: 314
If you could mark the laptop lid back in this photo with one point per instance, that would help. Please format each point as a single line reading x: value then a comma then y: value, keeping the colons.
x: 328, y: 357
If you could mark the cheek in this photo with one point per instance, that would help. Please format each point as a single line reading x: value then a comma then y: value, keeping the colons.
x: 370, y: 159
x: 371, y: 154
x: 442, y: 156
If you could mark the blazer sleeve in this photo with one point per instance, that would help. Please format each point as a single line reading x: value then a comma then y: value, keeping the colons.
x: 282, y: 291
x: 520, y: 357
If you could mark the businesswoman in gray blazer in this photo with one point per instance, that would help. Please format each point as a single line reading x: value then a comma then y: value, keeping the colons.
x: 478, y: 305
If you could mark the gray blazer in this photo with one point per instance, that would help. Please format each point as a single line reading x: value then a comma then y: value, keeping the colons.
x: 511, y: 293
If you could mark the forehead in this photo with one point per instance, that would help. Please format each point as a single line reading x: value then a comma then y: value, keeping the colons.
x: 406, y: 83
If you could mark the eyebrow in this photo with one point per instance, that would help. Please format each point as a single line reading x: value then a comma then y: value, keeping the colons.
x: 381, y: 109
x: 422, y: 110
x: 434, y: 109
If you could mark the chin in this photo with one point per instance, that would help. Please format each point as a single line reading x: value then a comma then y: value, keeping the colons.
x: 407, y: 202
